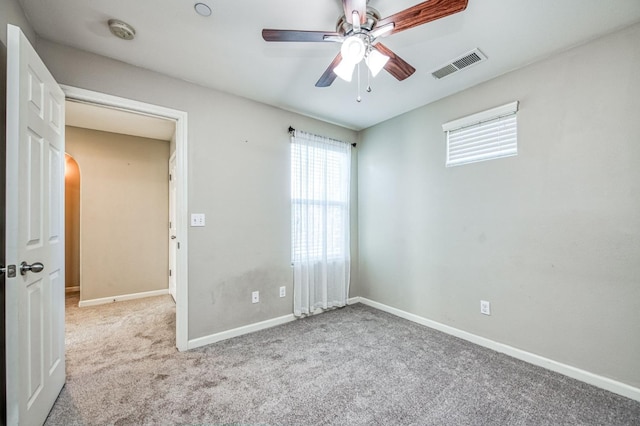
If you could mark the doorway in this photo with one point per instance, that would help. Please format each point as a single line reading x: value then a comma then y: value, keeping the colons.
x: 71, y: 224
x: 124, y: 203
x: 178, y: 145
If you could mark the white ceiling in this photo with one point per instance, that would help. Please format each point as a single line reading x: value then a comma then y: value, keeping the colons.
x: 226, y: 51
x: 88, y: 116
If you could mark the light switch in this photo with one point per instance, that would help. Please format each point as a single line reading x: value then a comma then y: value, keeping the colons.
x: 197, y: 219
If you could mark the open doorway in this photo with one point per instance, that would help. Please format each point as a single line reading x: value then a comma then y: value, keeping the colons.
x: 72, y: 224
x: 109, y: 112
x: 124, y: 206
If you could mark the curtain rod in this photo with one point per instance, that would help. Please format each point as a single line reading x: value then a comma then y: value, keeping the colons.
x: 291, y: 130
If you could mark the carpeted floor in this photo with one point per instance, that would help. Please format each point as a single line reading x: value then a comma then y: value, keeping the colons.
x: 352, y: 366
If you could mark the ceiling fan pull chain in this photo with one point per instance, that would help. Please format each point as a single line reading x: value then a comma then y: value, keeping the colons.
x: 368, y: 80
x: 359, y: 99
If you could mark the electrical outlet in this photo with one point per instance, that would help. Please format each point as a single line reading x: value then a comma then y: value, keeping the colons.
x: 255, y: 297
x: 283, y: 291
x: 485, y: 307
x: 197, y: 219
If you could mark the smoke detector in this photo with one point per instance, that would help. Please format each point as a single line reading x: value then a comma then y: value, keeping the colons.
x: 121, y: 29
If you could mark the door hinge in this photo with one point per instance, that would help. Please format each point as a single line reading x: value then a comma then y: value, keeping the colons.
x: 170, y: 177
x: 169, y: 225
x: 169, y: 272
x: 10, y: 270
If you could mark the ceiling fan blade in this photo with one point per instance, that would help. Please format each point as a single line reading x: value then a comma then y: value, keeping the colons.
x: 295, y: 35
x: 396, y: 66
x: 359, y: 6
x: 328, y: 76
x: 422, y: 13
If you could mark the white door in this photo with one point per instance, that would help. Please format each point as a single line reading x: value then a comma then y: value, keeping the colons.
x: 172, y: 226
x: 35, y: 235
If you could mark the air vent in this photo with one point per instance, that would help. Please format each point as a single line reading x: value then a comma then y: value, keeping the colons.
x: 464, y: 61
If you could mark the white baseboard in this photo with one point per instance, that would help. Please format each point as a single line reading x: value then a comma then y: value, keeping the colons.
x: 235, y: 332
x: 72, y: 289
x: 104, y: 300
x: 568, y: 370
x: 353, y: 300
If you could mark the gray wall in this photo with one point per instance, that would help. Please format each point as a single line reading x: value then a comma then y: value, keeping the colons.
x: 238, y: 176
x: 551, y: 237
x: 11, y: 13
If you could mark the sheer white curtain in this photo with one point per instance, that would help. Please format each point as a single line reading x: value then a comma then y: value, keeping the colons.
x: 320, y: 180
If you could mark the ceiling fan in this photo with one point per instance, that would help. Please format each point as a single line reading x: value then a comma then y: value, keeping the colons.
x: 359, y: 29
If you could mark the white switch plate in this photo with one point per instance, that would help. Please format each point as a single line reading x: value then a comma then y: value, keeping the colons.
x: 197, y: 219
x: 485, y: 307
x: 255, y: 297
x: 283, y: 291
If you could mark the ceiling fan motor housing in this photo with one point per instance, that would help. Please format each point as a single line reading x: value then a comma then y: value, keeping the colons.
x: 345, y: 28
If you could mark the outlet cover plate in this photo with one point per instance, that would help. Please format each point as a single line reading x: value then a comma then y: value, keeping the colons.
x: 283, y: 291
x: 485, y: 307
x: 197, y: 219
x: 255, y: 297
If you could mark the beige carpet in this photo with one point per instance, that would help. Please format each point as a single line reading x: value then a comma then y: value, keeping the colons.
x: 352, y: 366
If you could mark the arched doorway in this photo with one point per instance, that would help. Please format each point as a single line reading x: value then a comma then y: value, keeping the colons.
x: 72, y: 224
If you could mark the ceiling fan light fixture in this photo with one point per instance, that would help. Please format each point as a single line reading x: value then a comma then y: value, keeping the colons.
x: 353, y: 49
x: 376, y: 61
x: 344, y: 70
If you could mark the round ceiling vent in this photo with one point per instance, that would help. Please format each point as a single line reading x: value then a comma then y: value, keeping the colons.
x: 121, y: 29
x: 202, y: 9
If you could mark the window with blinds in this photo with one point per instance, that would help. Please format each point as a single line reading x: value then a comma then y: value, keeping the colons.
x: 483, y: 136
x: 319, y: 198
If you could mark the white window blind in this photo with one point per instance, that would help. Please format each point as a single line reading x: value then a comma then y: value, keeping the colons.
x: 320, y: 174
x: 483, y: 136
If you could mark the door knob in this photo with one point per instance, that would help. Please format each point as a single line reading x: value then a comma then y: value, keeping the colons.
x: 173, y: 237
x: 36, y: 267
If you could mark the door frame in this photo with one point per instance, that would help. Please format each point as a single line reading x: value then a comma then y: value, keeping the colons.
x: 172, y: 243
x: 182, y: 165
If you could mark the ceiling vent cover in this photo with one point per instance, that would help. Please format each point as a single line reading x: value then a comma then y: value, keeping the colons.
x: 464, y: 61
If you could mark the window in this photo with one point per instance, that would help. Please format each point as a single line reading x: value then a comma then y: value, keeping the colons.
x: 483, y: 136
x: 320, y: 176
